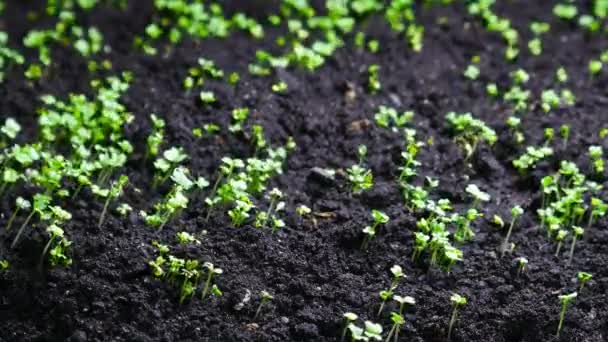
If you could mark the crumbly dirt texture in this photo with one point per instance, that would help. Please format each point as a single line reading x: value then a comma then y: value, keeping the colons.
x: 314, y: 267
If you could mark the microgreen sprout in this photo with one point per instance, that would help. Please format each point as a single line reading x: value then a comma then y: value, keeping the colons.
x: 522, y: 263
x: 457, y: 301
x: 227, y: 169
x: 349, y: 318
x: 20, y: 204
x: 471, y: 72
x: 374, y: 84
x: 4, y: 265
x: 303, y: 210
x: 478, y: 195
x: 275, y: 206
x: 239, y: 116
x: 577, y: 233
x: 371, y: 331
x: 57, y: 255
x: 379, y: 218
x: 559, y: 238
x: 598, y: 209
x: 583, y: 278
x: 115, y: 191
x: 564, y: 300
x: 398, y: 322
x: 403, y: 301
x: 387, y: 294
x: 564, y: 131
x: 265, y: 297
x: 469, y: 132
x: 595, y: 154
x: 360, y: 177
x: 516, y: 212
x: 212, y: 271
x: 595, y: 66
x: 280, y: 87
x: 41, y: 203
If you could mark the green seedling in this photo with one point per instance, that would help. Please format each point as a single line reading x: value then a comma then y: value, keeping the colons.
x: 185, y: 238
x: 57, y: 255
x: 275, y: 206
x: 564, y: 132
x: 373, y: 82
x: 212, y: 272
x: 559, y: 238
x: 398, y: 322
x: 239, y: 116
x: 303, y: 210
x: 577, y: 233
x: 531, y: 157
x: 20, y: 204
x: 115, y: 191
x: 598, y: 209
x: 360, y: 177
x: 457, y: 301
x: 403, y: 301
x: 227, y: 169
x: 564, y: 300
x: 41, y: 203
x: 207, y: 97
x: 583, y: 278
x: 387, y: 294
x: 165, y: 165
x: 595, y: 67
x: 471, y: 72
x: 240, y: 213
x: 265, y: 298
x: 516, y: 212
x: 379, y: 218
x: 280, y: 87
x: 595, y: 155
x: 4, y: 265
x: 349, y: 318
x: 155, y: 139
x: 478, y: 195
x: 469, y: 132
x: 124, y: 209
x: 371, y: 331
x: 522, y: 263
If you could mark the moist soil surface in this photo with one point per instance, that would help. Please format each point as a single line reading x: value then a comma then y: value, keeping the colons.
x: 314, y: 267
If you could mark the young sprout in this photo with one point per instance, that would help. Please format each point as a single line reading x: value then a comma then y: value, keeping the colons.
x: 185, y: 238
x: 41, y: 202
x: 595, y: 66
x: 374, y: 84
x: 403, y: 301
x: 114, y: 192
x: 577, y: 233
x: 57, y: 254
x: 516, y: 212
x: 228, y: 167
x: 303, y: 210
x: 471, y: 72
x: 211, y: 272
x: 595, y: 154
x: 583, y: 278
x: 21, y: 204
x: 492, y: 89
x: 598, y: 209
x: 265, y: 298
x: 561, y: 235
x: 280, y: 87
x: 564, y: 300
x: 457, y: 301
x: 349, y: 318
x: 4, y: 265
x: 497, y: 220
x: 262, y: 218
x: 385, y: 295
x: 240, y: 213
x: 522, y: 263
x: 239, y: 116
x: 370, y: 231
x: 469, y: 132
x: 478, y: 195
x: 398, y: 322
x: 360, y: 178
x: 564, y: 131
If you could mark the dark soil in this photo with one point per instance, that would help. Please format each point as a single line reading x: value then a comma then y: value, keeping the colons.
x: 315, y: 268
